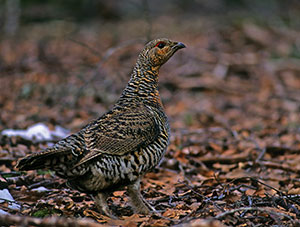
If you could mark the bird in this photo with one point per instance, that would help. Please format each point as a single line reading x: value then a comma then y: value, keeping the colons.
x: 116, y: 150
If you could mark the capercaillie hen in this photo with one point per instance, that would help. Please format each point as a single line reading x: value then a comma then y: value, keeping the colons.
x: 118, y: 148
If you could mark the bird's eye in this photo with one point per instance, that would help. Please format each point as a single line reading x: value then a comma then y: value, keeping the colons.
x: 160, y: 45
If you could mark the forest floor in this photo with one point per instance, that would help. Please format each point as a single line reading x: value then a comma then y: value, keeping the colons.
x: 232, y: 97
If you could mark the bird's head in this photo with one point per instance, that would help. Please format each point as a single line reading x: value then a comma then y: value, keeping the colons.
x: 158, y: 51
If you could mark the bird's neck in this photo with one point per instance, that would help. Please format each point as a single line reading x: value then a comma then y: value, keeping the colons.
x: 143, y: 84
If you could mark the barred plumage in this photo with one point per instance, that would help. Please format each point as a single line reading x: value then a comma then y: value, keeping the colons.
x: 118, y: 148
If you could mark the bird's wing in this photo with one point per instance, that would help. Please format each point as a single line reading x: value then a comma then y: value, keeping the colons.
x: 118, y: 133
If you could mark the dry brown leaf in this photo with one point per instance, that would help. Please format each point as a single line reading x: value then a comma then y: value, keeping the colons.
x: 294, y: 191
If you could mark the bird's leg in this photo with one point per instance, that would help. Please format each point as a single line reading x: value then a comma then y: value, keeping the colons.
x: 139, y: 203
x: 101, y: 203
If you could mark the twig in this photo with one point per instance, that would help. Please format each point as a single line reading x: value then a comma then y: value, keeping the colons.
x: 40, y: 183
x: 261, y: 154
x: 264, y: 210
x: 258, y: 147
x: 284, y: 195
x: 274, y: 165
x: 258, y: 181
x: 8, y: 220
x: 225, y: 160
x: 226, y: 125
x: 183, y: 172
x: 282, y: 201
x: 205, y: 199
x: 92, y: 50
x: 193, y: 190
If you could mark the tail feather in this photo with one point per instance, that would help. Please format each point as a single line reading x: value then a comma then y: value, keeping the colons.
x: 42, y: 160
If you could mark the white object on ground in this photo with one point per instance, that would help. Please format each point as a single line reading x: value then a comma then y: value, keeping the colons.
x: 40, y: 189
x: 5, y: 196
x: 38, y: 133
x: 2, y: 212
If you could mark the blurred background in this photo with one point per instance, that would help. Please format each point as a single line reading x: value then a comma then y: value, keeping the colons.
x: 232, y: 98
x: 66, y: 62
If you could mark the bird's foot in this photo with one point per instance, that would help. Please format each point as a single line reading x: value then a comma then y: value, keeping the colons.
x: 143, y: 208
x: 100, y: 201
x: 140, y: 205
x: 108, y: 213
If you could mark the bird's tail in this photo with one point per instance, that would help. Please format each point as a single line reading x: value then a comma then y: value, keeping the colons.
x: 41, y: 160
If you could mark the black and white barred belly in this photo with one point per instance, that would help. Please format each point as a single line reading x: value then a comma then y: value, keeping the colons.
x: 109, y: 171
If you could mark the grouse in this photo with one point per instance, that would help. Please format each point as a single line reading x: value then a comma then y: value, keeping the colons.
x: 118, y: 148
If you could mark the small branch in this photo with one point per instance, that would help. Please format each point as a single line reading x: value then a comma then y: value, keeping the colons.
x: 247, y: 209
x: 261, y: 154
x: 225, y: 160
x: 283, y: 202
x: 258, y: 147
x: 95, y: 52
x: 278, y: 200
x: 8, y: 220
x: 281, y: 166
x: 226, y: 125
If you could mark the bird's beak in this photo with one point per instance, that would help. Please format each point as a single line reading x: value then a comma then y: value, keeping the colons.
x: 179, y: 46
